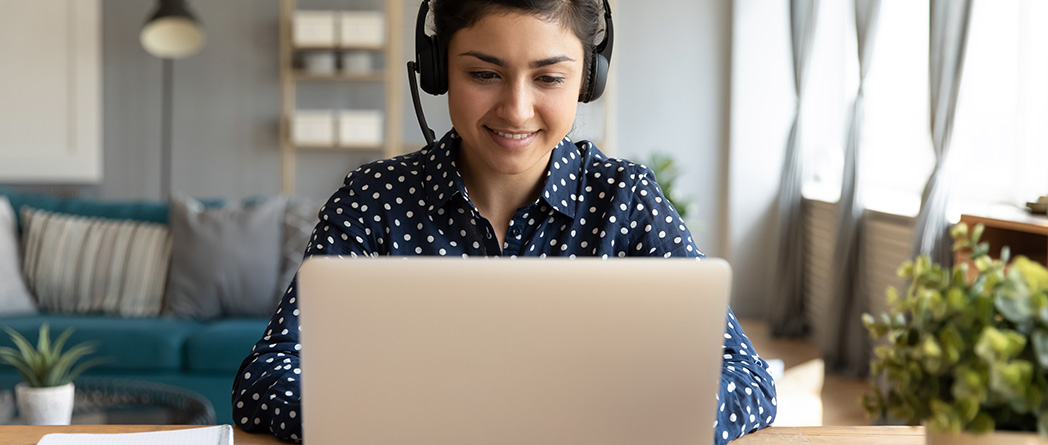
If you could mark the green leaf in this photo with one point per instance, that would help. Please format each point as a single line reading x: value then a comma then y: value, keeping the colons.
x: 877, y: 330
x: 977, y: 233
x: 997, y: 346
x: 23, y: 345
x: 1011, y: 380
x: 982, y: 424
x: 892, y: 297
x: 59, y: 371
x: 1040, y: 347
x: 18, y: 362
x: 959, y: 231
x: 952, y: 343
x: 43, y: 342
x: 79, y: 369
x: 906, y: 269
x: 931, y: 356
x: 1034, y: 275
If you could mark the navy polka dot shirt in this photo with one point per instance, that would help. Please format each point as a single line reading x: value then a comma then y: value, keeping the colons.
x: 417, y: 204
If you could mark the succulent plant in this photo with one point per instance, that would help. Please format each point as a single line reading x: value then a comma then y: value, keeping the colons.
x: 964, y: 350
x: 46, y: 365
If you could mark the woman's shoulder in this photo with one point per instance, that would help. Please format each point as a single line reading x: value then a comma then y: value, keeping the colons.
x: 396, y: 170
x: 600, y: 168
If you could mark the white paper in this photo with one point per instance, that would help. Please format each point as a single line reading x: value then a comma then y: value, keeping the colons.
x: 217, y: 435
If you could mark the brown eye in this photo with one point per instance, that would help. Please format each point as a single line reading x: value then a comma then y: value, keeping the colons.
x: 551, y: 80
x: 483, y: 75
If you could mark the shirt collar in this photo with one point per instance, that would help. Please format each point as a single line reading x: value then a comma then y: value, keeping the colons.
x: 562, y: 178
x: 443, y: 179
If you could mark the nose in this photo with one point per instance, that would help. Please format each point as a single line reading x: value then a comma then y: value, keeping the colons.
x: 516, y: 104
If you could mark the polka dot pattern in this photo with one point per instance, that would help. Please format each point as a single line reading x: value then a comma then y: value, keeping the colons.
x: 417, y: 204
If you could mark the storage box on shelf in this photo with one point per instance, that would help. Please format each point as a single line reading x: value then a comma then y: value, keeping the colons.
x: 340, y: 49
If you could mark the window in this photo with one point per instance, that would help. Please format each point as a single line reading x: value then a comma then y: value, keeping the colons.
x: 999, y: 144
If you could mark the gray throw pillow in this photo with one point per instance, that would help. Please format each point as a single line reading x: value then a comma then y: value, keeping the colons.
x: 225, y: 261
x: 299, y: 220
x: 14, y: 296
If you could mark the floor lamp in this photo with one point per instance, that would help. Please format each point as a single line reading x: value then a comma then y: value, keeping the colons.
x: 172, y: 32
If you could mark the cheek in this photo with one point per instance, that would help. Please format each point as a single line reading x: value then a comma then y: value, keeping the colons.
x: 465, y: 103
x: 560, y: 112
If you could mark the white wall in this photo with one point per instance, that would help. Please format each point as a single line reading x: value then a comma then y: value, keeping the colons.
x: 671, y: 66
x: 761, y: 113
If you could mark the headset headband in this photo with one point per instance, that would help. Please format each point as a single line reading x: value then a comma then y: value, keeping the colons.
x: 433, y: 73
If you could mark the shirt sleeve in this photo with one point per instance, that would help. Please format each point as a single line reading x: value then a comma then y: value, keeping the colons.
x: 746, y: 400
x: 266, y: 391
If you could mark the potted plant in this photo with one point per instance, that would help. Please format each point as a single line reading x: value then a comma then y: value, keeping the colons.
x: 666, y: 174
x: 45, y: 396
x: 965, y: 351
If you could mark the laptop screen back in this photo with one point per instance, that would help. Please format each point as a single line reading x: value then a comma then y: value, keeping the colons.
x: 511, y: 351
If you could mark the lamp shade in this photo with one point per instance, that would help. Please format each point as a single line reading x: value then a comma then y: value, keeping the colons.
x: 172, y: 32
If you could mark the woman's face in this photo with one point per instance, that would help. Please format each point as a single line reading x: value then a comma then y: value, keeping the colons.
x: 513, y: 87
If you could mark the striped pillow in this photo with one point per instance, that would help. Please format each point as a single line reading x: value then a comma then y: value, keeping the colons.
x: 88, y: 264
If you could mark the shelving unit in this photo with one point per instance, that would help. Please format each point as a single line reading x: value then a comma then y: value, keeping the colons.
x: 387, y: 78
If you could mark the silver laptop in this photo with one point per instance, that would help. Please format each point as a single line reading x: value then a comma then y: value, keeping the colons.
x: 428, y: 350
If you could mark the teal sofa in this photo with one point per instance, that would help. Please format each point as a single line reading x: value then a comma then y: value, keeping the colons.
x: 201, y: 355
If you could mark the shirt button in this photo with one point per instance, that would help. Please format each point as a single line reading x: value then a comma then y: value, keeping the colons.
x: 514, y: 231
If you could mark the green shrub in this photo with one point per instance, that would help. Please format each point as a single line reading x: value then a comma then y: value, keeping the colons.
x: 964, y: 353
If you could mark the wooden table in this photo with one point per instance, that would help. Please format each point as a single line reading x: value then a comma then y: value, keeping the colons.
x: 865, y: 435
x: 1023, y: 233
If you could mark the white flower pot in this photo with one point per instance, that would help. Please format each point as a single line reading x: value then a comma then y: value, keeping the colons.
x: 45, y: 406
x: 994, y: 438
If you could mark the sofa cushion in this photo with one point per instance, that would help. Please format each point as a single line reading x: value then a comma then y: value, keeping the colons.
x: 14, y: 295
x: 299, y: 220
x: 205, y: 354
x: 225, y: 261
x: 127, y: 344
x: 99, y: 265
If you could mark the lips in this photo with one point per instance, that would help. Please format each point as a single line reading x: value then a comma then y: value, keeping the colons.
x: 512, y: 139
x: 513, y: 135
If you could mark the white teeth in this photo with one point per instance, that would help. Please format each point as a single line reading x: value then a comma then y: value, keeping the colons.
x: 512, y: 136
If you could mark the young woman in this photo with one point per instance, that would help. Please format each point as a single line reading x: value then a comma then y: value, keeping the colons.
x: 505, y: 181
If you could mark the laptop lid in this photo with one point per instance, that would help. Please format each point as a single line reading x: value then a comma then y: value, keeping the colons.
x: 426, y: 350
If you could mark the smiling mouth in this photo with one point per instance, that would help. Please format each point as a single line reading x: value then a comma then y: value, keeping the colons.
x: 514, y: 136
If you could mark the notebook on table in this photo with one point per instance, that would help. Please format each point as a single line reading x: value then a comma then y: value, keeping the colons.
x: 427, y: 350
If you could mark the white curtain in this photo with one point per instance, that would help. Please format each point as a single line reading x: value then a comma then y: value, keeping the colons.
x: 787, y: 306
x: 847, y: 348
x: 948, y: 39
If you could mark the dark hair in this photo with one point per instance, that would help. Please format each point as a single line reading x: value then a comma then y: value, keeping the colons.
x: 583, y: 17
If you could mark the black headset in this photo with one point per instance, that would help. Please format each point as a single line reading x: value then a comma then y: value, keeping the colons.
x: 431, y: 65
x: 433, y: 72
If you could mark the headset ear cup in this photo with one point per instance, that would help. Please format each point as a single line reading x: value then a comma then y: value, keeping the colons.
x: 597, y: 79
x: 430, y: 68
x: 440, y: 77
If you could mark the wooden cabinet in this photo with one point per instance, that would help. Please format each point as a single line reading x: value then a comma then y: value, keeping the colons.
x: 381, y: 75
x: 1024, y: 234
x: 51, y: 92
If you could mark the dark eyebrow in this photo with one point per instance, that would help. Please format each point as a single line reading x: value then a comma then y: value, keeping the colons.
x: 550, y: 61
x: 536, y: 64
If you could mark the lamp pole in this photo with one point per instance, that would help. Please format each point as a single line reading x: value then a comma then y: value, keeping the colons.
x: 171, y: 32
x: 165, y: 129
